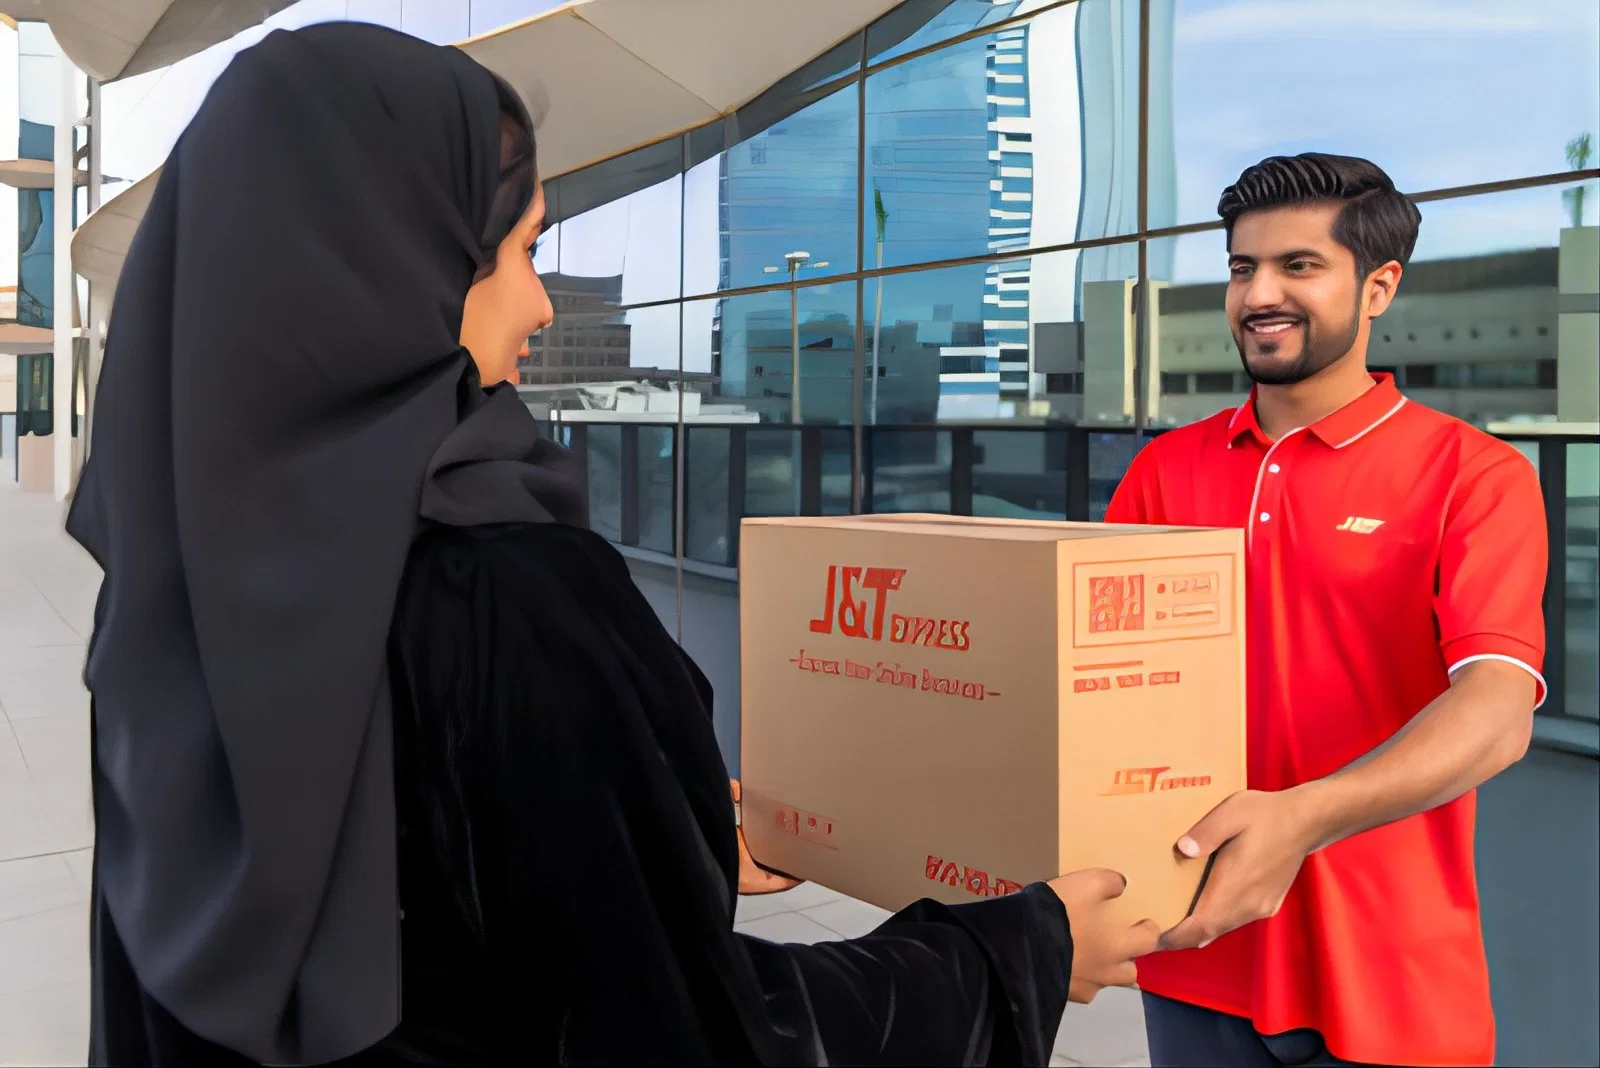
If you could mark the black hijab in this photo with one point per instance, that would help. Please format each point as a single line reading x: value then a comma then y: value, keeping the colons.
x: 283, y: 397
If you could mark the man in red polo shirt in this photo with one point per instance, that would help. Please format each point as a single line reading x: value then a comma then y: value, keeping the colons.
x: 1396, y: 566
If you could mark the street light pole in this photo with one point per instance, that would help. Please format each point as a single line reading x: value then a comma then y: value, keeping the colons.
x: 795, y: 260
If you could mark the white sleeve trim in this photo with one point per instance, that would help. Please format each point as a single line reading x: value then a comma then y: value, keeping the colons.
x: 1544, y: 688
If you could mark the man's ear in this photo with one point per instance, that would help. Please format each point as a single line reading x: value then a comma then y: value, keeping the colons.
x: 1381, y: 287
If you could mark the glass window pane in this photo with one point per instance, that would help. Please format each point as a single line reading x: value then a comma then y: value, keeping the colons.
x: 489, y: 15
x: 603, y: 451
x: 622, y: 224
x: 657, y: 485
x: 439, y: 21
x: 924, y: 23
x: 1583, y: 579
x: 631, y: 354
x: 1220, y: 102
x: 836, y: 445
x: 747, y: 348
x: 1495, y: 321
x: 772, y: 472
x: 781, y: 200
x: 708, y: 535
x: 1109, y: 457
x: 1024, y: 137
x: 1019, y: 474
x: 909, y: 470
x: 382, y: 12
x: 1037, y: 337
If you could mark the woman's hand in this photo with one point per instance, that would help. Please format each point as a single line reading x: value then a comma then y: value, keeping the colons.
x: 753, y: 878
x: 1103, y: 950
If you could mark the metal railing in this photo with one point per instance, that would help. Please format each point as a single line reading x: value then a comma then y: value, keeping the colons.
x: 731, y: 471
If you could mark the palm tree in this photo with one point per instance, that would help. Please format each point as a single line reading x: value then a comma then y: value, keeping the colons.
x: 877, y: 311
x: 1578, y: 151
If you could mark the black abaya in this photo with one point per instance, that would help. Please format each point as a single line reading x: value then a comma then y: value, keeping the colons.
x: 568, y: 898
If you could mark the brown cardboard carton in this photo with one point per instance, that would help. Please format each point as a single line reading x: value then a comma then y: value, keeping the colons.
x: 944, y: 707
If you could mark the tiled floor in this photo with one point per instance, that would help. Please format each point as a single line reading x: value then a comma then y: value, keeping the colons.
x: 47, y: 590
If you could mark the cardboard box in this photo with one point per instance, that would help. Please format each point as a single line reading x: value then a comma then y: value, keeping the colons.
x: 944, y: 707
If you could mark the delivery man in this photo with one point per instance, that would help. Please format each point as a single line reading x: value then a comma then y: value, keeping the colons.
x: 1396, y: 565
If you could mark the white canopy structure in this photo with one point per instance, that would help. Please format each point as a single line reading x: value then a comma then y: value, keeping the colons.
x: 600, y: 77
x: 111, y: 39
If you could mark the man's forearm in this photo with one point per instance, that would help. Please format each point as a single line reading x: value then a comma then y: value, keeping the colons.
x: 1470, y: 733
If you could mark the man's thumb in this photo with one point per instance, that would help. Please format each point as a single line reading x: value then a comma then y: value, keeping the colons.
x: 1212, y: 832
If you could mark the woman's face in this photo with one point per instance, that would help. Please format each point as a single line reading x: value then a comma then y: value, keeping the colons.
x: 507, y: 302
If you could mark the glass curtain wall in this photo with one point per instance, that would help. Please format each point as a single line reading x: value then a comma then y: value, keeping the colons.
x: 968, y: 261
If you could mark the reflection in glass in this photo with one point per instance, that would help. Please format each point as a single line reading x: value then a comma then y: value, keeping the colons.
x: 1017, y: 339
x: 707, y: 535
x: 787, y: 184
x: 622, y: 223
x: 772, y: 472
x: 1004, y: 142
x: 1019, y: 474
x: 1429, y: 57
x: 1493, y: 321
x: 924, y: 23
x: 909, y: 470
x: 835, y: 447
x: 603, y: 452
x: 441, y: 21
x: 657, y: 482
x: 751, y: 346
x: 1109, y: 457
x: 1582, y: 567
x: 598, y: 354
x: 489, y: 15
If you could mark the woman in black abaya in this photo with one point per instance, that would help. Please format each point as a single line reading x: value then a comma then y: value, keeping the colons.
x: 392, y: 762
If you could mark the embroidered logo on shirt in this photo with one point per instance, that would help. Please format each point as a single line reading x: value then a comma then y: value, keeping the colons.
x: 1360, y: 525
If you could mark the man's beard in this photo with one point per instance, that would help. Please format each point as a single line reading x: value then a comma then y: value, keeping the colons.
x: 1319, y: 350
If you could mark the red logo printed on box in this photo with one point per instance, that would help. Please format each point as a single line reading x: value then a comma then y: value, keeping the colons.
x: 1116, y: 602
x: 1151, y: 780
x: 973, y: 880
x: 868, y: 617
x: 808, y: 826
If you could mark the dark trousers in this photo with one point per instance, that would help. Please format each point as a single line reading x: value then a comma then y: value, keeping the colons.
x: 1187, y: 1036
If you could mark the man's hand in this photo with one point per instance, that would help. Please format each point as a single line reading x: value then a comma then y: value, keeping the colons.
x: 1267, y: 837
x: 753, y: 878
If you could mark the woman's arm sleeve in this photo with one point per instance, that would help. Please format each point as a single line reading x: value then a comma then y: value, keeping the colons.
x: 980, y: 983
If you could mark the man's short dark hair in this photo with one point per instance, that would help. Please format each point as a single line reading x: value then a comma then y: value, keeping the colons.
x: 1377, y: 223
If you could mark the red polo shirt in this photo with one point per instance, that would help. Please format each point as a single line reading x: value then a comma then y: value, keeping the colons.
x: 1388, y: 545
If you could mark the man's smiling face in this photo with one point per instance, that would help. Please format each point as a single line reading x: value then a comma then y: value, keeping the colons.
x: 1294, y: 295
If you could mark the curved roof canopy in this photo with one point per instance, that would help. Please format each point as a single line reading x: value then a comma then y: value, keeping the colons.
x: 111, y: 39
x: 600, y: 77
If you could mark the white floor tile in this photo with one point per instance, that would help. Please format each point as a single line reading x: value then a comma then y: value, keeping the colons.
x: 52, y: 816
x: 31, y: 885
x: 55, y: 746
x: 850, y: 918
x: 47, y: 1026
x: 43, y: 681
x: 755, y: 906
x: 47, y: 949
x: 80, y: 863
x: 1109, y: 1030
x: 788, y: 927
